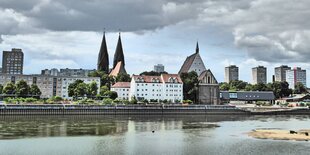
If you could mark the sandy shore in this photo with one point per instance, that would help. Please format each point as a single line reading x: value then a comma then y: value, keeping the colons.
x: 280, y: 134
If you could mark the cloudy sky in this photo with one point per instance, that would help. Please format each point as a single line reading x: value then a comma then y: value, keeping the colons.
x: 247, y: 33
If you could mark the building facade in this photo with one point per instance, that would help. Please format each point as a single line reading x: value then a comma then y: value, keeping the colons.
x: 159, y: 68
x: 49, y: 85
x: 208, y: 89
x: 67, y: 72
x: 157, y: 88
x: 259, y: 75
x: 296, y: 75
x: 13, y: 61
x: 122, y: 90
x: 231, y: 73
x: 247, y: 96
x: 280, y: 73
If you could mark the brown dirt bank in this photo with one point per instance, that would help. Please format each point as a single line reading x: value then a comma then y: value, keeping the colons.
x: 278, y: 134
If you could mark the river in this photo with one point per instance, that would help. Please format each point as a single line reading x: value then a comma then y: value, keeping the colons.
x: 147, y: 135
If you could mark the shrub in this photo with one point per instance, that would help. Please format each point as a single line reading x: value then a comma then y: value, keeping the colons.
x: 31, y: 100
x: 133, y: 100
x: 107, y: 101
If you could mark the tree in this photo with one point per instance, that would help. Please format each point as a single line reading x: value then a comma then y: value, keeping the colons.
x: 92, y: 89
x: 34, y: 90
x: 111, y: 94
x: 123, y: 77
x: 80, y: 90
x: 105, y: 79
x: 237, y: 85
x: 9, y: 88
x: 103, y: 90
x: 190, y: 85
x: 1, y: 88
x: 22, y: 88
x: 260, y: 87
x: 72, y: 88
x: 248, y: 87
x: 224, y: 86
x: 300, y: 88
x: 280, y: 89
x: 152, y: 73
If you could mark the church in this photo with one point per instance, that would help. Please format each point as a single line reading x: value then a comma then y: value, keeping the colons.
x: 118, y: 62
x: 208, y: 87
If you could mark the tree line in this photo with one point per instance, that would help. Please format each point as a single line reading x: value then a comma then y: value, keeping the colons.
x: 20, y: 89
x: 280, y: 89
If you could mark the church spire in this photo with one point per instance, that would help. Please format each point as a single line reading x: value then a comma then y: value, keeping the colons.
x: 197, y: 48
x: 103, y: 57
x: 119, y: 54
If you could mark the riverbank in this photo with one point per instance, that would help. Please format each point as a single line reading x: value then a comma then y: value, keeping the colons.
x: 64, y: 109
x: 275, y: 134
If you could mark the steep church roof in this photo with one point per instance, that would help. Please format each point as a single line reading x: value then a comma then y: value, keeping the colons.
x: 103, y: 57
x: 119, y: 55
x: 119, y: 68
x: 203, y: 77
x: 188, y: 63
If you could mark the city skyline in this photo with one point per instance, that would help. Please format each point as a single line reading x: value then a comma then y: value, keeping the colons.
x: 225, y: 35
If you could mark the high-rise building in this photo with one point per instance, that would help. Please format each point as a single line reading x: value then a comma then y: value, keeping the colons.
x: 103, y: 57
x: 12, y: 61
x: 159, y: 68
x: 280, y: 73
x: 231, y: 73
x: 296, y: 75
x: 259, y: 75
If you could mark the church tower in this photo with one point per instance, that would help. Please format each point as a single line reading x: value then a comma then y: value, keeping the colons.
x: 103, y: 57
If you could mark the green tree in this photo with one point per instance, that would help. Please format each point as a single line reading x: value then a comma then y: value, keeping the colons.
x: 248, y: 87
x: 190, y: 85
x: 123, y: 77
x: 72, y: 88
x: 105, y: 79
x: 34, y: 90
x: 9, y: 88
x: 92, y: 89
x: 22, y: 88
x: 260, y: 87
x: 1, y: 88
x: 103, y: 90
x: 152, y: 73
x: 80, y: 90
x: 280, y: 89
x: 300, y: 88
x: 237, y: 85
x: 111, y: 94
x: 224, y: 86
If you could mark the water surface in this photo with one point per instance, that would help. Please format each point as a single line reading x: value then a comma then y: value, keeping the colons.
x: 96, y: 135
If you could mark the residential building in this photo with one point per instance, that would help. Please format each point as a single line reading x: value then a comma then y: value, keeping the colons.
x: 164, y: 87
x: 231, y: 73
x: 296, y: 75
x: 48, y: 84
x: 259, y: 75
x: 280, y: 73
x: 193, y: 63
x: 159, y: 68
x: 122, y: 90
x: 67, y: 72
x: 12, y: 61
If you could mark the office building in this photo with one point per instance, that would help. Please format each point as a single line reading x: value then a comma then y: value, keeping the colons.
x: 12, y: 61
x: 159, y: 68
x: 296, y: 75
x: 259, y: 75
x: 231, y: 73
x: 280, y: 73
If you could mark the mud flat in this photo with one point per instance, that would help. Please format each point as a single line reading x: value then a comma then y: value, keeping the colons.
x: 277, y: 134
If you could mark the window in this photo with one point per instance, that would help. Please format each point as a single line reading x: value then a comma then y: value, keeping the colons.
x: 233, y: 95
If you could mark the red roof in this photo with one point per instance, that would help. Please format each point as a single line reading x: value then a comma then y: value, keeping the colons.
x: 167, y: 78
x: 152, y: 79
x: 121, y: 85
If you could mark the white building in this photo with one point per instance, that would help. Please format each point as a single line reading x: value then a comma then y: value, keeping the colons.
x: 122, y: 89
x: 295, y: 75
x: 66, y: 81
x: 165, y: 87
